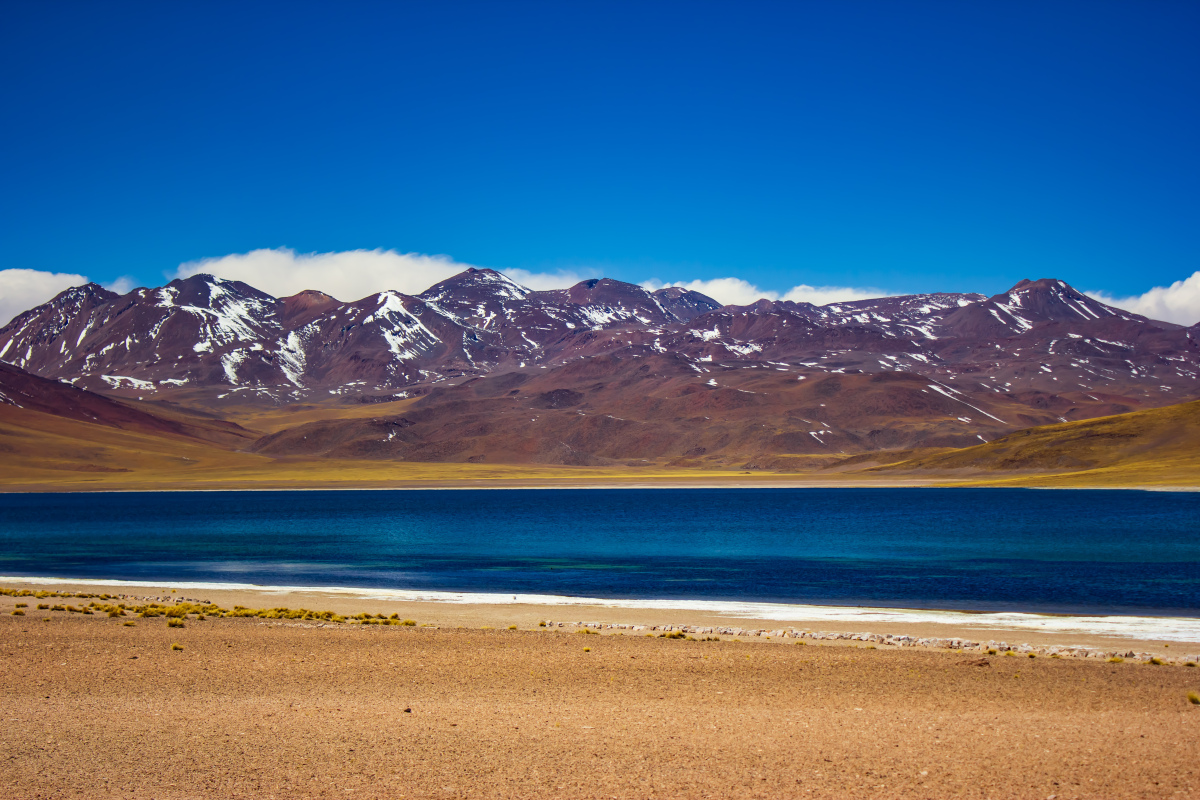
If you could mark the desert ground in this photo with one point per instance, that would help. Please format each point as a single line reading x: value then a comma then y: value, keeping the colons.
x: 461, y: 706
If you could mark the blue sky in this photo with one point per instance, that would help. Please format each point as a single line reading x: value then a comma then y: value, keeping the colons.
x: 897, y: 146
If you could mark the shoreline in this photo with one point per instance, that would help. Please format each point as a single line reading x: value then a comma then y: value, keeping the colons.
x: 612, y: 485
x: 1150, y: 635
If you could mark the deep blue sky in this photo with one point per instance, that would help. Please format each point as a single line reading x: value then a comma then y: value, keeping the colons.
x: 905, y: 145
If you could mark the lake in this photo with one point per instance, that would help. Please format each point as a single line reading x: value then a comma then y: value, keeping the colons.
x: 1078, y: 552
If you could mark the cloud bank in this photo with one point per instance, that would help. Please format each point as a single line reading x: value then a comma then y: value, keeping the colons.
x: 347, y: 275
x: 739, y: 292
x: 22, y: 289
x: 350, y: 274
x: 1179, y: 302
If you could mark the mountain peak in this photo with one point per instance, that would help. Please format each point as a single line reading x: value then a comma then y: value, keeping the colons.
x: 87, y: 290
x: 605, y: 291
x: 1054, y: 299
x: 203, y: 288
x: 1029, y: 304
x: 475, y: 281
x: 685, y: 304
x: 306, y: 305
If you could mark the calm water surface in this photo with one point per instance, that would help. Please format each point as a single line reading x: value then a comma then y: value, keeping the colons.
x: 986, y: 549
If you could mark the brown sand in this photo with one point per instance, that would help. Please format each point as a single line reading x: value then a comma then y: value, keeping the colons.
x: 256, y: 709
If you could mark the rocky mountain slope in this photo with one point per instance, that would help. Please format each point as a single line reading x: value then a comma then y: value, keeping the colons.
x: 206, y: 333
x: 604, y: 371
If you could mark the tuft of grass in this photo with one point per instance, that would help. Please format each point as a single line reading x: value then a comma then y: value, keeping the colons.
x: 673, y: 635
x: 174, y: 622
x: 411, y: 623
x: 116, y: 613
x: 1156, y: 661
x: 1116, y: 660
x: 512, y: 627
x: 18, y: 613
x: 176, y: 646
x: 43, y: 606
x: 129, y: 624
x: 589, y: 631
x: 1033, y: 655
x: 1189, y: 663
x: 587, y: 649
x: 1194, y: 698
x: 22, y: 605
x: 541, y: 624
x: 45, y: 619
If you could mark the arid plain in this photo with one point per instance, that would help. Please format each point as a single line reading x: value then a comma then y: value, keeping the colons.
x: 257, y: 708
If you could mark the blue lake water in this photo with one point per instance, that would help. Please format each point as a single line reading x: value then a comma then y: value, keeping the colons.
x: 1120, y: 552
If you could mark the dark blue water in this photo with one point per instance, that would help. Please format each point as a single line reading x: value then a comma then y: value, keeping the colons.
x: 987, y: 549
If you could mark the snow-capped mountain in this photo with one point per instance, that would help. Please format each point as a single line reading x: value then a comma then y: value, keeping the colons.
x: 224, y: 340
x: 204, y: 332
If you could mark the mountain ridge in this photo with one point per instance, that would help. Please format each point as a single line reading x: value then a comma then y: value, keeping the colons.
x: 1039, y: 353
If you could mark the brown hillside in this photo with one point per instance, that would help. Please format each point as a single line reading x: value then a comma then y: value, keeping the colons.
x: 19, y: 390
x: 662, y: 409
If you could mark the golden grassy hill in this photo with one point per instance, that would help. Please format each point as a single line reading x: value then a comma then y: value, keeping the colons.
x: 1155, y: 447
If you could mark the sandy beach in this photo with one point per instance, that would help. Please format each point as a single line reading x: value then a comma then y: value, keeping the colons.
x: 248, y: 707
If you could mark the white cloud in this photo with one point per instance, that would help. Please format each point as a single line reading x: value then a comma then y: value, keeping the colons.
x: 1179, y: 302
x: 823, y: 295
x: 22, y: 289
x: 122, y: 285
x: 541, y: 281
x: 349, y: 274
x: 739, y: 292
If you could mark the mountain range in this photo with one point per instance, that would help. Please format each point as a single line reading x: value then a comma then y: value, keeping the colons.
x: 480, y: 369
